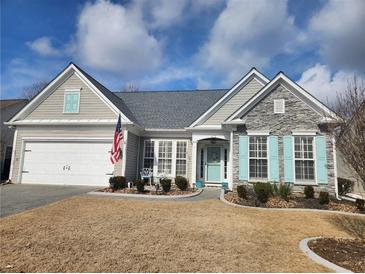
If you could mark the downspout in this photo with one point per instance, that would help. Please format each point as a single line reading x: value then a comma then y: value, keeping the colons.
x: 335, y: 167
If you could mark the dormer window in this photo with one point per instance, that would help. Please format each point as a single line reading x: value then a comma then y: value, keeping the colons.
x: 279, y: 106
x: 71, y: 101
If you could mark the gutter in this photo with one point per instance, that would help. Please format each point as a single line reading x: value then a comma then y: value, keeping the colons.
x: 335, y: 167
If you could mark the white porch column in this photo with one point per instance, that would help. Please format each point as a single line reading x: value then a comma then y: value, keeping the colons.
x: 230, y: 169
x: 193, y: 163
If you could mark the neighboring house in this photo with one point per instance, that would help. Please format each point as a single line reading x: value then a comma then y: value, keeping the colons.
x: 259, y: 130
x: 8, y: 109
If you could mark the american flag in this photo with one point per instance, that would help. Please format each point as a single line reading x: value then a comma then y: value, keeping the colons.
x: 118, y: 137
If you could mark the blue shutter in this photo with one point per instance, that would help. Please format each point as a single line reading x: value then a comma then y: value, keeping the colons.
x: 288, y: 159
x: 243, y: 158
x: 273, y: 159
x: 321, y: 159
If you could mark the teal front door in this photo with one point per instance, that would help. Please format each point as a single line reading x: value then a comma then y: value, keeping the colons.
x: 213, y: 164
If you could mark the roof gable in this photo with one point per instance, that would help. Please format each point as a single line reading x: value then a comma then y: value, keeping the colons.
x: 287, y: 83
x: 252, y: 74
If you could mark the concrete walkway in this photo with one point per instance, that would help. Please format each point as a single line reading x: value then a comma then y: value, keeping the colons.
x: 15, y: 198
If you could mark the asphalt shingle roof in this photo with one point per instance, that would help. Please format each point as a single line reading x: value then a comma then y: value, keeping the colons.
x: 169, y: 109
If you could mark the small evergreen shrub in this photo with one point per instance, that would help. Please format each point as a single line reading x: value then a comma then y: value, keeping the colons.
x: 309, y: 192
x: 324, y: 197
x: 263, y: 191
x: 285, y: 191
x: 360, y: 204
x: 140, y: 185
x: 242, y: 191
x: 117, y: 182
x: 166, y: 184
x: 344, y: 186
x: 276, y: 189
x: 181, y: 183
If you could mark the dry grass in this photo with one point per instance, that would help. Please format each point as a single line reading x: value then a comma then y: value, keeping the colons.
x: 90, y: 234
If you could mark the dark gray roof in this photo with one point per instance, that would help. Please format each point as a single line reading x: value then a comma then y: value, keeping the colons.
x: 169, y: 109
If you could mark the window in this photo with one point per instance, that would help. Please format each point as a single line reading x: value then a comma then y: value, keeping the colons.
x: 180, y: 158
x: 258, y: 157
x: 149, y: 147
x: 71, y: 102
x: 225, y: 163
x: 304, y: 158
x: 279, y: 106
x: 165, y: 157
x: 202, y: 163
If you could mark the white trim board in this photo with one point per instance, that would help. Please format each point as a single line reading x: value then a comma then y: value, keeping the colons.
x: 252, y: 74
x: 284, y: 81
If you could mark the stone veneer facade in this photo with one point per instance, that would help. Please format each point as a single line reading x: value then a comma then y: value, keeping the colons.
x: 297, y: 116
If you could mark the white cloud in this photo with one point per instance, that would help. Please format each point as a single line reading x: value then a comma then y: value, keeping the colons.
x: 340, y: 29
x: 43, y: 46
x: 114, y: 38
x: 246, y: 34
x: 319, y: 81
x: 166, y: 12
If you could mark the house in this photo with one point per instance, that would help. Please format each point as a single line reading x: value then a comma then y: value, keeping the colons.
x: 8, y: 109
x: 258, y: 130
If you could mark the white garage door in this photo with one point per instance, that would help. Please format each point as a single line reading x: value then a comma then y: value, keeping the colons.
x: 67, y: 163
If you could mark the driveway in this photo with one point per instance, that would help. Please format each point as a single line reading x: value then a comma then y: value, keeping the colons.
x: 16, y: 198
x: 89, y: 234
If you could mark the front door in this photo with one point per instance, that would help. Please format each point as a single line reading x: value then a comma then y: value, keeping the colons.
x: 213, y: 164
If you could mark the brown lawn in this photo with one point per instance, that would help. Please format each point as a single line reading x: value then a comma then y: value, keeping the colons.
x: 93, y: 234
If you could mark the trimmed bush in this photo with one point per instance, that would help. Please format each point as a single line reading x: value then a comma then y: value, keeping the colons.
x: 309, y: 192
x: 140, y: 185
x: 242, y: 191
x: 344, y: 186
x: 360, y: 204
x: 263, y: 191
x: 166, y: 185
x: 285, y: 191
x: 276, y: 189
x: 117, y: 182
x: 324, y: 197
x: 181, y: 182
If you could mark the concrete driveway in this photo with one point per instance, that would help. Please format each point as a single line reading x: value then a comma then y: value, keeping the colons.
x: 16, y: 198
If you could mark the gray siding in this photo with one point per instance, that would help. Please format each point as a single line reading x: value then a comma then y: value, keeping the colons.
x: 234, y: 103
x: 40, y: 131
x: 131, y: 156
x: 297, y: 116
x: 91, y: 106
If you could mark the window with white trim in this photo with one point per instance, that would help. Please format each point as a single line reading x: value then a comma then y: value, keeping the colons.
x: 258, y: 157
x: 71, y: 102
x: 304, y: 158
x: 148, y: 157
x: 181, y: 158
x: 165, y: 157
x: 225, y: 163
x: 202, y: 163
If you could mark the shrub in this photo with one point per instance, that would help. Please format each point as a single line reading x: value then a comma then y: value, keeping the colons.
x: 275, y: 189
x: 140, y: 185
x: 166, y: 184
x: 117, y: 182
x: 285, y: 191
x: 181, y: 182
x: 242, y: 191
x: 324, y: 197
x: 309, y: 192
x: 360, y: 204
x: 344, y: 186
x: 263, y: 191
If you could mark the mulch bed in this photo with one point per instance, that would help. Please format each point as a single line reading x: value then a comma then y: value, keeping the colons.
x: 295, y: 201
x: 172, y: 192
x: 347, y: 253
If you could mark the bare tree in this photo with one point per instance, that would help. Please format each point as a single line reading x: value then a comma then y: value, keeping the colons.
x: 131, y: 87
x: 350, y: 134
x: 32, y: 90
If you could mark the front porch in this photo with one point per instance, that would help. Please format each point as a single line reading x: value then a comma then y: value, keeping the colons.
x: 212, y: 160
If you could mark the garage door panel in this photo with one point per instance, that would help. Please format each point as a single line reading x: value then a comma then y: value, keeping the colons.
x: 73, y: 163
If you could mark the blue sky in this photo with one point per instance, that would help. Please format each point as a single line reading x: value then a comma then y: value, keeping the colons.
x: 183, y: 44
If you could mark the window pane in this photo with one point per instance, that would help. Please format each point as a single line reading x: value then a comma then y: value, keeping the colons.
x: 258, y: 157
x: 180, y: 167
x: 304, y: 169
x: 180, y: 158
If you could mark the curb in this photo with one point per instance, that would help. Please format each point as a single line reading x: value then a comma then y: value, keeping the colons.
x: 290, y: 209
x: 303, y: 246
x: 145, y: 196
